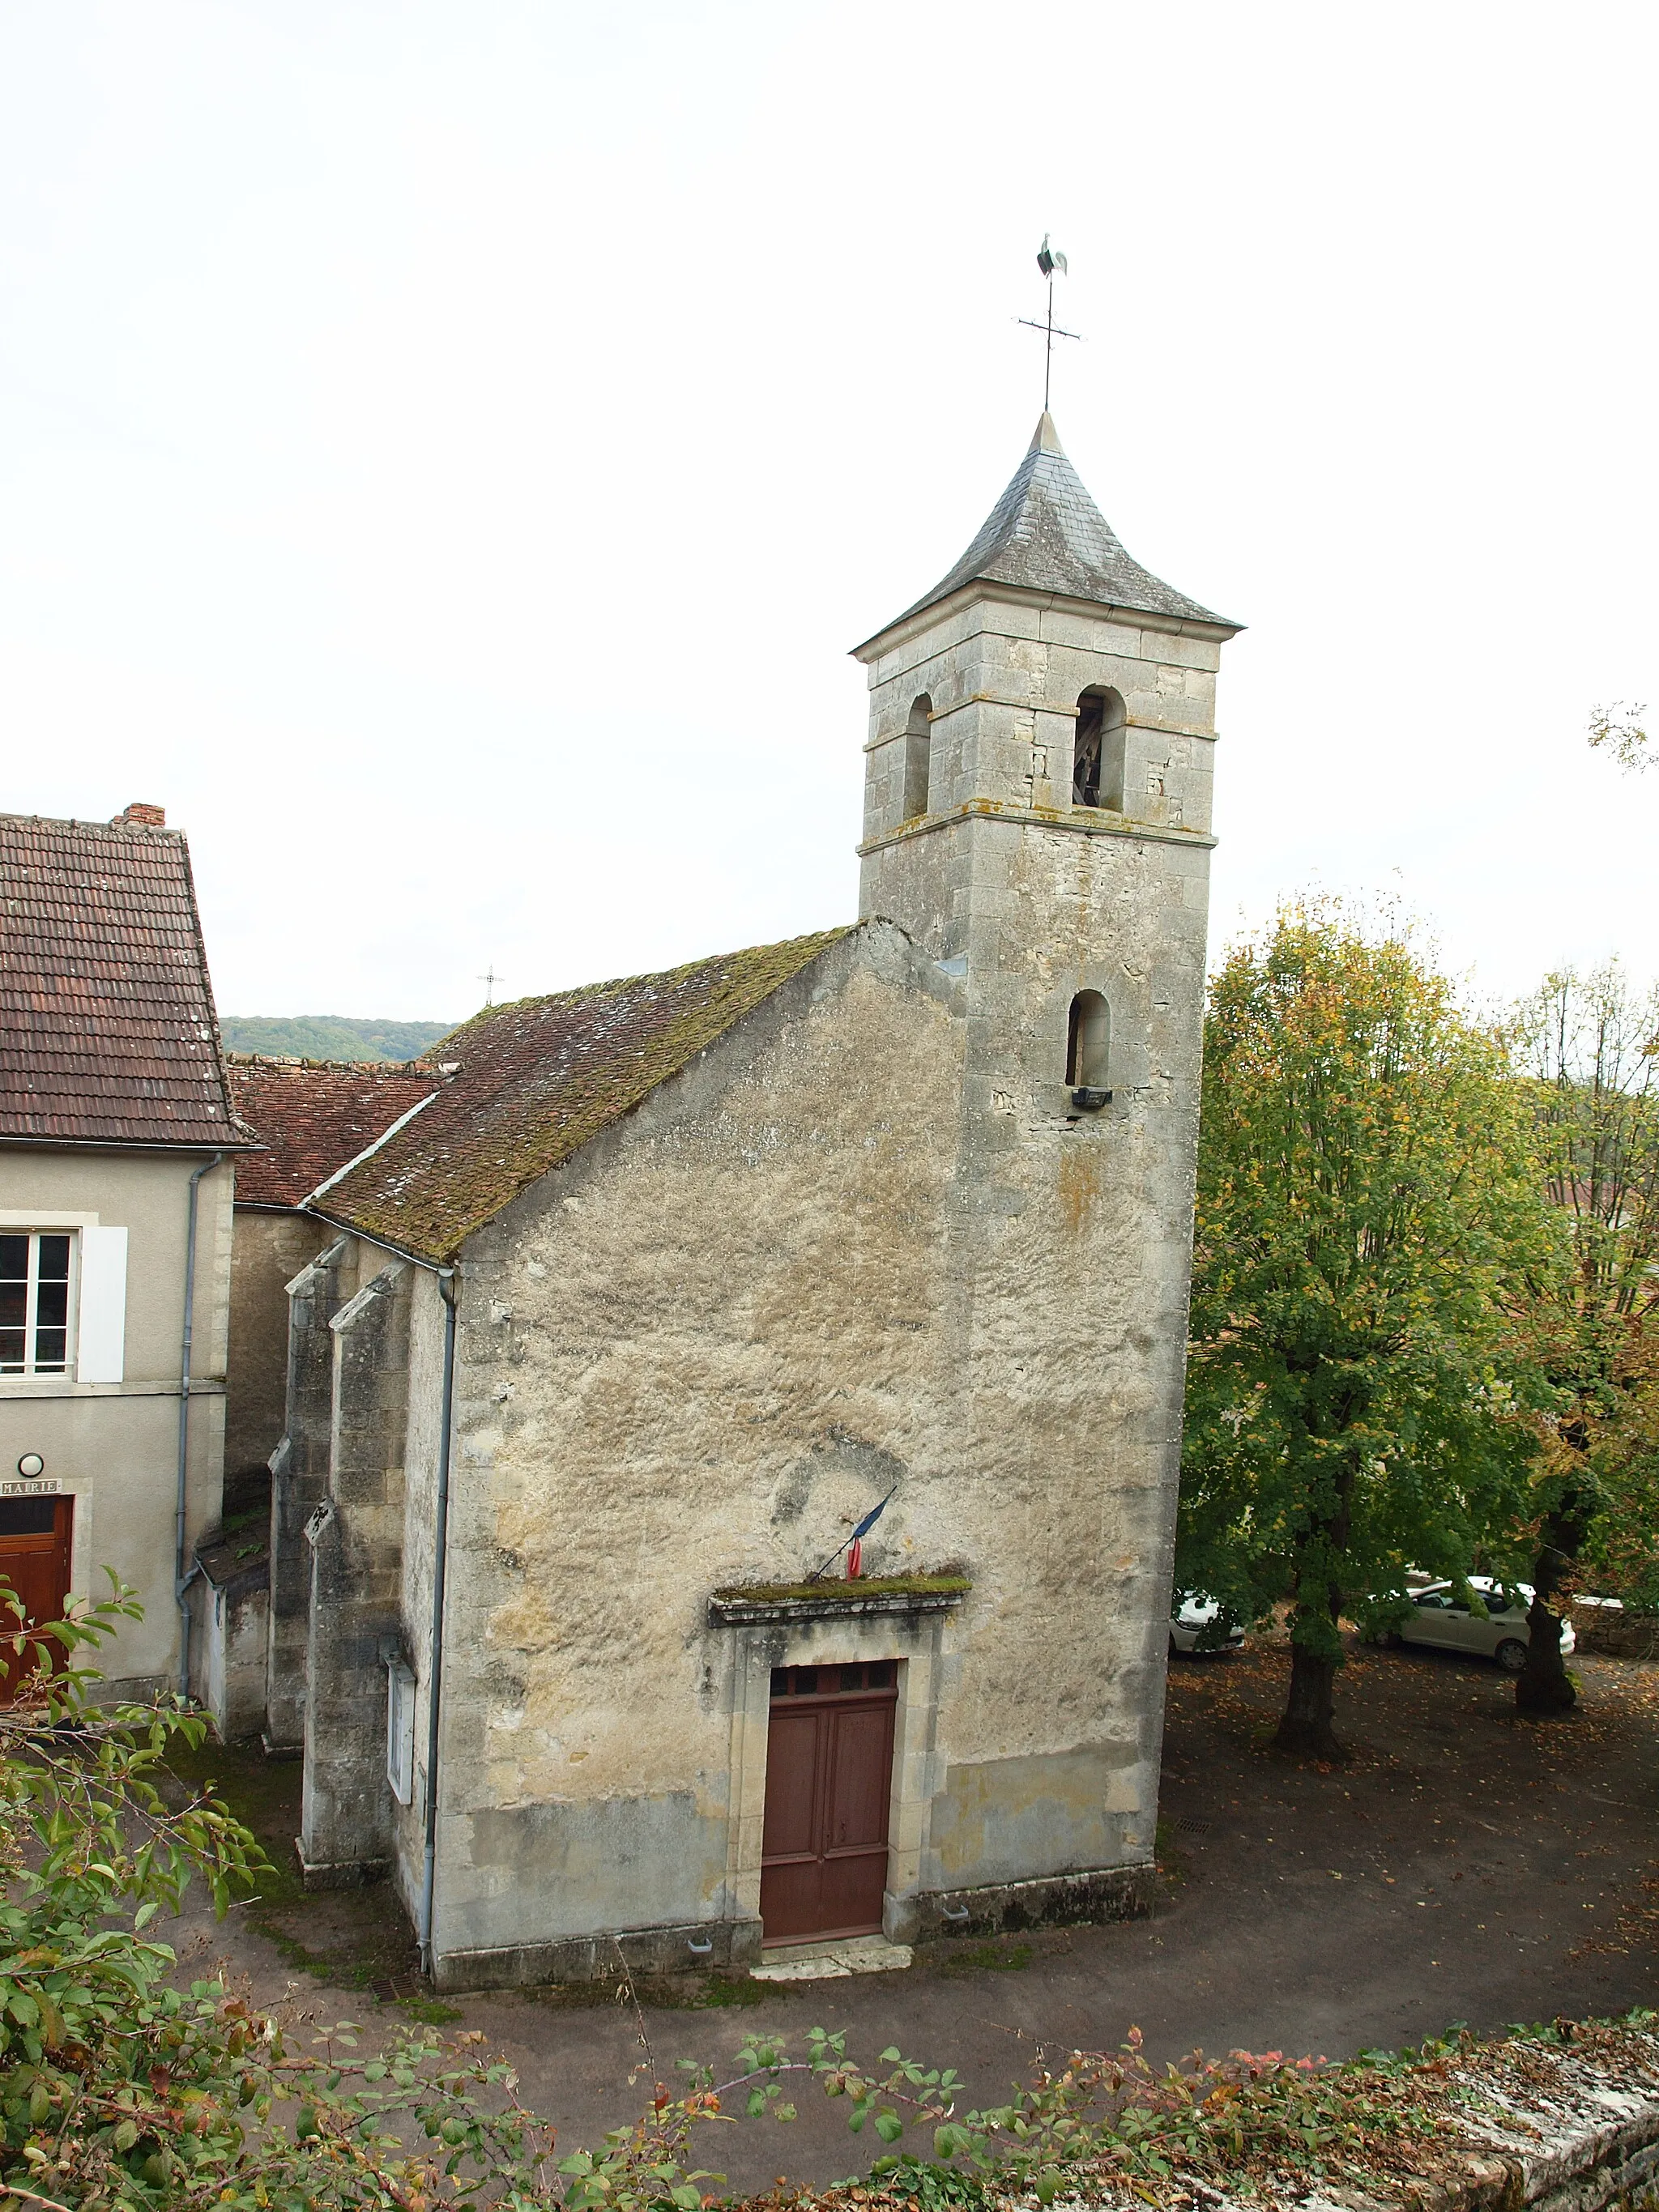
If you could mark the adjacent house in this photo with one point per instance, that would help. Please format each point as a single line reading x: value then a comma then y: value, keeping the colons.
x: 116, y: 1144
x: 673, y: 1291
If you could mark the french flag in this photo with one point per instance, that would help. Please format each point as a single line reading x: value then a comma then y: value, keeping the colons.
x: 855, y: 1547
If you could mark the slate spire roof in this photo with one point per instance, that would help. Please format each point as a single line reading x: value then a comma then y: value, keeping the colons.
x: 1045, y: 534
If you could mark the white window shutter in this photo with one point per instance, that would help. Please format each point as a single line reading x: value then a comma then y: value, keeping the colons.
x: 101, y: 1324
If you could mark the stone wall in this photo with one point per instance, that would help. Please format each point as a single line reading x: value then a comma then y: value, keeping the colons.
x: 1562, y: 2122
x: 1003, y: 675
x: 1603, y: 1625
x: 690, y: 1360
x: 234, y: 1617
x: 268, y: 1247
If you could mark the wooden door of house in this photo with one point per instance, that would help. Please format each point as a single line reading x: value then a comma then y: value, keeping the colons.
x: 35, y: 1535
x: 829, y: 1786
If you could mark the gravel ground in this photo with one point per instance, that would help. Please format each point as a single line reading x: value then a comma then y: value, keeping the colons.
x: 1464, y: 1865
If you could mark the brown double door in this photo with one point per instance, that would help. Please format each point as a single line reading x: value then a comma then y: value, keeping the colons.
x: 828, y: 1784
x: 34, y: 1559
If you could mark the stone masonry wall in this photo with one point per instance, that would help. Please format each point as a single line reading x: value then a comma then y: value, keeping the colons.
x: 1604, y: 1624
x: 1082, y: 1216
x: 692, y: 1357
x: 268, y: 1249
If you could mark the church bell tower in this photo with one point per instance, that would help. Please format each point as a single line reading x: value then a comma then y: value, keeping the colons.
x: 1037, y: 818
x: 1037, y: 806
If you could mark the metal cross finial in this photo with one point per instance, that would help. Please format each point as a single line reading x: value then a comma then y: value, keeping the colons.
x: 1048, y: 260
x: 489, y: 980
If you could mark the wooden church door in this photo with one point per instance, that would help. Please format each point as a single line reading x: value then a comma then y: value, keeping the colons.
x: 34, y: 1558
x: 829, y: 1785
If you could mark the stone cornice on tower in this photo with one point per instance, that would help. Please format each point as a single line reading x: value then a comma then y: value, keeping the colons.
x: 1046, y: 540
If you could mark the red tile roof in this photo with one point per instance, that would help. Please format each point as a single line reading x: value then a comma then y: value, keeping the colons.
x: 313, y: 1115
x: 107, y: 1033
x: 524, y: 1086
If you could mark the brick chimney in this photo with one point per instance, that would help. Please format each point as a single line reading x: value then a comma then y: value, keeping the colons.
x: 138, y: 816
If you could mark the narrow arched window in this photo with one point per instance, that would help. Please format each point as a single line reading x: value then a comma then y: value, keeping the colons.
x: 918, y: 748
x: 1097, y: 750
x: 1088, y: 1043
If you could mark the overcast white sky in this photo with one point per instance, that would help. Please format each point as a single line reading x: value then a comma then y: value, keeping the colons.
x: 447, y: 450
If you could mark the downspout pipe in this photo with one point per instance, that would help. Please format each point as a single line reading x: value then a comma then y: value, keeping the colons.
x: 181, y: 1581
x: 447, y: 1285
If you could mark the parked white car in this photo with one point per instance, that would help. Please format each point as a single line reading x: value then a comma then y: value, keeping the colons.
x: 1437, y: 1617
x: 1190, y: 1616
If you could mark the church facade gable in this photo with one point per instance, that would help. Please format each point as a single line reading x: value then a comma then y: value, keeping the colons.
x: 690, y: 1360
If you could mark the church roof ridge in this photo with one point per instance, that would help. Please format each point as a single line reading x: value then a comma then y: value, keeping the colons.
x: 525, y: 1085
x: 1045, y: 534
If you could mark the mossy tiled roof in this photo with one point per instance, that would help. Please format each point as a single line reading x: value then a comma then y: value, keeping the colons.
x: 524, y: 1086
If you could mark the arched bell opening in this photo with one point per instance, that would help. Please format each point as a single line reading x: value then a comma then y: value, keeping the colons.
x: 1097, y: 748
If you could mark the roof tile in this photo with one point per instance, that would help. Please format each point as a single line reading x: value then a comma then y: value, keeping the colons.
x: 313, y: 1116
x: 107, y: 1031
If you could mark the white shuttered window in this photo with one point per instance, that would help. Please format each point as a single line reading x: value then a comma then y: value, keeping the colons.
x: 100, y: 1337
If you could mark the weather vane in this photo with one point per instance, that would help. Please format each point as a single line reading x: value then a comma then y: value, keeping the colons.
x: 1049, y: 261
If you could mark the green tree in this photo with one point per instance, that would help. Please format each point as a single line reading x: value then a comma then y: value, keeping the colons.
x: 1368, y: 1194
x: 1589, y: 1046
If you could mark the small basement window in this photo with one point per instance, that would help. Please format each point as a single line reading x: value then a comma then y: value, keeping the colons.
x: 1088, y: 1043
x: 918, y: 749
x: 34, y: 1303
x: 1097, y: 750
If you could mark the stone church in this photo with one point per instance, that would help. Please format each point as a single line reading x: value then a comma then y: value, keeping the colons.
x: 659, y: 1288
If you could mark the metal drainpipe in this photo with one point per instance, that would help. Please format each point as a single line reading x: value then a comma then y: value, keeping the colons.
x: 181, y: 1581
x: 436, y: 1653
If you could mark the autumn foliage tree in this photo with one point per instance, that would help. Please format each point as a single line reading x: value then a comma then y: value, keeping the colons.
x: 1588, y: 1049
x: 1369, y: 1193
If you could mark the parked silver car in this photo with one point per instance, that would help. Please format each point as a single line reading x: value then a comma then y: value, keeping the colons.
x: 1440, y: 1618
x: 1190, y: 1614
